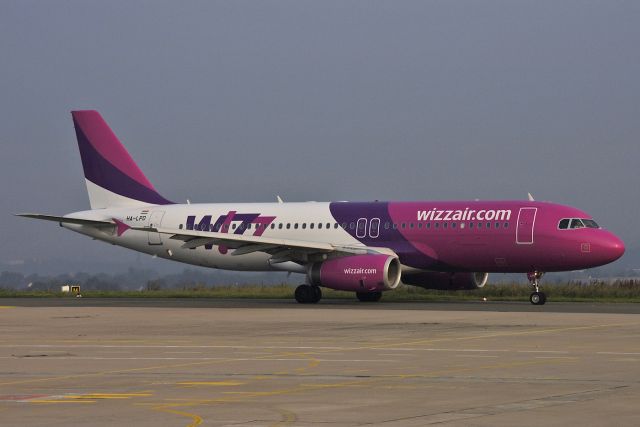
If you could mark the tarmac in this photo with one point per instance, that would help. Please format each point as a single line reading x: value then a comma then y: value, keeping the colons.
x: 183, y: 362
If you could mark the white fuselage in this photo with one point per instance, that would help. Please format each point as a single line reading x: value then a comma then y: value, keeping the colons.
x: 308, y: 221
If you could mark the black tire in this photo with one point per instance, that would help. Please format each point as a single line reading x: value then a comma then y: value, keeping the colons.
x: 306, y: 294
x: 537, y: 298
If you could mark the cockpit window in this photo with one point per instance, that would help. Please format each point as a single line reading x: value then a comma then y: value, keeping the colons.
x: 589, y: 223
x: 576, y: 223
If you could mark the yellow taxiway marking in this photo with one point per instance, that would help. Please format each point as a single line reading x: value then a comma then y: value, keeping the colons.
x: 107, y: 395
x: 211, y: 383
x: 195, y: 419
x: 62, y: 401
x: 7, y: 306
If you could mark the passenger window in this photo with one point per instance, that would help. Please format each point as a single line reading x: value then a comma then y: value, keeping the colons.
x: 445, y: 225
x: 488, y: 225
x: 410, y: 225
x: 404, y: 225
x: 453, y: 225
x: 295, y: 226
x: 304, y: 225
x: 233, y: 226
x: 386, y: 225
x: 288, y: 225
x: 428, y: 225
x: 506, y: 225
x: 319, y: 225
x: 419, y: 225
x: 564, y: 224
x: 576, y: 223
x: 352, y: 226
x: 470, y: 225
x: 180, y: 226
x: 395, y: 226
x: 273, y: 226
x: 436, y: 224
x: 335, y: 225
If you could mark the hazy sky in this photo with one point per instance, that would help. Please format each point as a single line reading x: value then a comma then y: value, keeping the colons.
x: 323, y: 100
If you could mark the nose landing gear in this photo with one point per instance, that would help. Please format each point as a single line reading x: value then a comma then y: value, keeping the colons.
x: 536, y: 297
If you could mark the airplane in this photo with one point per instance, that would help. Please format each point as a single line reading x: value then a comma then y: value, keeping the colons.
x: 363, y: 247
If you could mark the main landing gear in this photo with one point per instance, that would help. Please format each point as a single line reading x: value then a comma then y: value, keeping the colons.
x: 536, y: 297
x: 307, y: 294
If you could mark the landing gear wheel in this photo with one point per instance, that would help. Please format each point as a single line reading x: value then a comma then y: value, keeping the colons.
x: 317, y: 294
x: 369, y: 296
x: 538, y: 298
x: 306, y: 294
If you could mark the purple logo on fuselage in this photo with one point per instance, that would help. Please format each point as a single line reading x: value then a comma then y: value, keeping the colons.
x: 229, y: 222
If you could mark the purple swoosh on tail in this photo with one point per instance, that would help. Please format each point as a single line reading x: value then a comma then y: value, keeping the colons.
x: 104, y: 174
x: 98, y: 134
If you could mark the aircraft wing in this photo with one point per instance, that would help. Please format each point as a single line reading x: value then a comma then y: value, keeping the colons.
x: 281, y: 249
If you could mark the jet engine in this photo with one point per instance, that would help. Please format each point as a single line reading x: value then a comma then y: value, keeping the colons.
x: 357, y: 273
x: 447, y: 281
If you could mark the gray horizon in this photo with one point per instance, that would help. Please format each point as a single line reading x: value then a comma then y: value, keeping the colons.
x: 398, y: 100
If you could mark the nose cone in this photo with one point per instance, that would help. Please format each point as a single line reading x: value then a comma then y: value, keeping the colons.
x: 611, y: 247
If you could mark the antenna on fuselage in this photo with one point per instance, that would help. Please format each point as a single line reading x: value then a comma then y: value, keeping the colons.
x: 531, y: 199
x: 279, y: 199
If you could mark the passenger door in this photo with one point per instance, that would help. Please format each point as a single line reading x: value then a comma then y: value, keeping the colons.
x: 525, y: 226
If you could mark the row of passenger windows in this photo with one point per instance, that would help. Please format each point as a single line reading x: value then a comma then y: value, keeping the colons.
x: 352, y: 225
x: 572, y: 223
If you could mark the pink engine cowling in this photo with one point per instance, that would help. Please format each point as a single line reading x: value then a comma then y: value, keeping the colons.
x: 447, y: 281
x: 357, y: 273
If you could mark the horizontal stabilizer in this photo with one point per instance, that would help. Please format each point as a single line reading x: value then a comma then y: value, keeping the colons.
x: 92, y: 222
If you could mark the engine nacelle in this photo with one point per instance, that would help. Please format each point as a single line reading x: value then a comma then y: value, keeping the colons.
x: 357, y: 273
x: 447, y: 281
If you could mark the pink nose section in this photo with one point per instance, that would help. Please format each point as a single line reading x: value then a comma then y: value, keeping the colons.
x: 614, y: 248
